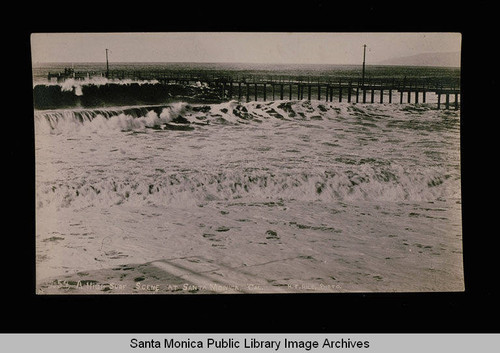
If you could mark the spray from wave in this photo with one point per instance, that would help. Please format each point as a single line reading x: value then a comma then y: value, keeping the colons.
x: 75, y: 85
x: 102, y: 92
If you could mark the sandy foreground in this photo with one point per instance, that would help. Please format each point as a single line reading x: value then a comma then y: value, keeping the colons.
x: 269, y: 251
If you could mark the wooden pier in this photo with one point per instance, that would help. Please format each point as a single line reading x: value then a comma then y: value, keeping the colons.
x: 251, y: 88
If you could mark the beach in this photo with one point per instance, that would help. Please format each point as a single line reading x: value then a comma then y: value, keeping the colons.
x: 282, y: 196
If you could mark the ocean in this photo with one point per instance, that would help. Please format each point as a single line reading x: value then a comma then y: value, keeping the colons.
x: 146, y: 190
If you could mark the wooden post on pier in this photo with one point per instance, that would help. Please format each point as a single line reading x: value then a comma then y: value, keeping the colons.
x: 340, y: 91
x: 319, y: 92
x: 416, y: 96
x: 372, y: 98
x: 363, y: 72
x: 248, y: 92
x: 107, y: 64
x: 447, y: 101
x: 401, y: 90
x: 349, y: 92
x: 264, y: 92
x: 281, y: 92
x: 390, y: 91
x: 289, y: 91
x: 439, y: 100
x: 331, y: 94
x: 456, y: 101
x: 239, y: 91
x: 381, y: 94
x: 255, y: 91
x: 364, y: 94
x: 309, y: 92
x: 273, y: 89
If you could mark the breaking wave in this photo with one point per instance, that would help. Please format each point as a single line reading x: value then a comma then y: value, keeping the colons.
x: 140, y: 117
x: 104, y: 120
x: 372, y: 184
x: 345, y: 130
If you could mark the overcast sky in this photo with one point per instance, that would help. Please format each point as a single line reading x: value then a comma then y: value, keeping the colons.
x: 286, y: 48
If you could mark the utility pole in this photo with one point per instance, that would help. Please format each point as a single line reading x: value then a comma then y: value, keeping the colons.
x: 107, y: 64
x: 363, y: 73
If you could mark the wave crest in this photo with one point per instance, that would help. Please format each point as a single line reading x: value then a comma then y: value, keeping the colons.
x: 392, y: 183
x: 105, y: 120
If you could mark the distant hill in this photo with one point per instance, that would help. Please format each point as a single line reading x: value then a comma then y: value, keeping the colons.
x: 449, y: 59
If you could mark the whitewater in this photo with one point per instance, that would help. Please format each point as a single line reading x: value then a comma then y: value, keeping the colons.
x: 248, y: 197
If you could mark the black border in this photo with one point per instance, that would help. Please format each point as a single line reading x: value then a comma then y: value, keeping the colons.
x: 460, y: 312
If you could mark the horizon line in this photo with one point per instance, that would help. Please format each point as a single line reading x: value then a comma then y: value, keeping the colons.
x: 227, y: 62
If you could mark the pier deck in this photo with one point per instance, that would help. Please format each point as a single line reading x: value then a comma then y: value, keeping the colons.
x: 346, y: 89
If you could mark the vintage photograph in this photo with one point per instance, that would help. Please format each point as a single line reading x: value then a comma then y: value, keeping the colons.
x: 247, y: 162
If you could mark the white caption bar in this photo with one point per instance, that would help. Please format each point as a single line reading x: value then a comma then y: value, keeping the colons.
x: 250, y: 343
